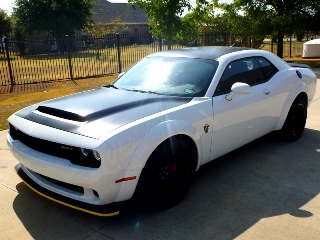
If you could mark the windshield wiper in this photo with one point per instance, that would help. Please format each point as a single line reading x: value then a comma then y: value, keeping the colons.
x: 142, y: 91
x: 111, y: 86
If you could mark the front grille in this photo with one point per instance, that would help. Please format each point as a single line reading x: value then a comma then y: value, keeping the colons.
x: 64, y: 185
x: 71, y: 153
x: 40, y: 145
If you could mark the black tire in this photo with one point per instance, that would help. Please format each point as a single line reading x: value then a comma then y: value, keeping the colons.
x: 295, y: 121
x: 167, y: 176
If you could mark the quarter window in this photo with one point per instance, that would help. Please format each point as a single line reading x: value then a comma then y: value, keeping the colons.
x: 267, y: 69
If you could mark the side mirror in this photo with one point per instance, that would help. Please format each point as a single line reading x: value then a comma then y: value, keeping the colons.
x: 238, y: 88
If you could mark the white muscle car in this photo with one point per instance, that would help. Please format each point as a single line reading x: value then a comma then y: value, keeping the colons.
x: 147, y: 133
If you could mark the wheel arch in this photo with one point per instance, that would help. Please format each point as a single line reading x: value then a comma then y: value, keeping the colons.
x: 166, y: 131
x: 305, y: 96
x: 287, y: 106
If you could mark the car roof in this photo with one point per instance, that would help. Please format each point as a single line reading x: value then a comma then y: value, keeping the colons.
x: 212, y: 52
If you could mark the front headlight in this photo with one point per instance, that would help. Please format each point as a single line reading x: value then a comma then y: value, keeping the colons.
x: 96, y: 155
x: 85, y: 152
x: 87, y: 158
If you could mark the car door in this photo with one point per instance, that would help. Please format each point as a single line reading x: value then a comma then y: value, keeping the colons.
x: 246, y: 116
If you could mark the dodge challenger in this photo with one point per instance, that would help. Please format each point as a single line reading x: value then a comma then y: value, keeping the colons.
x: 147, y: 133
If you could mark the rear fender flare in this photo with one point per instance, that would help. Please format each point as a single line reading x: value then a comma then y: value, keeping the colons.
x: 299, y: 89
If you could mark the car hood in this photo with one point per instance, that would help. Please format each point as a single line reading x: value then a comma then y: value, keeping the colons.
x: 99, y: 111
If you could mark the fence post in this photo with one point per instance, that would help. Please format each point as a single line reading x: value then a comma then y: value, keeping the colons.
x: 6, y: 43
x: 225, y: 38
x: 160, y: 44
x: 271, y: 45
x: 290, y: 45
x: 69, y: 57
x: 119, y: 52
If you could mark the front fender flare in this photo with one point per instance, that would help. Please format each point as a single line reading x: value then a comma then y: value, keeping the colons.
x: 158, y: 134
x: 152, y: 139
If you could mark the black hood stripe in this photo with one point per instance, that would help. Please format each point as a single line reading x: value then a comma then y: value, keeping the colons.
x: 131, y: 105
x: 105, y: 112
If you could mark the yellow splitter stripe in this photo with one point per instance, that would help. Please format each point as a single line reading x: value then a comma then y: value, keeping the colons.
x: 68, y: 205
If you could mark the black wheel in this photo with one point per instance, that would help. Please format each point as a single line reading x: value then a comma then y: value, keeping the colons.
x: 168, y: 174
x: 295, y: 121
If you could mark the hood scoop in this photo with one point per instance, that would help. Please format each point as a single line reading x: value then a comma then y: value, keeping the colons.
x: 61, y: 114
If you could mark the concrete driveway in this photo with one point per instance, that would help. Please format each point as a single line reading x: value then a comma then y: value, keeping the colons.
x: 266, y: 190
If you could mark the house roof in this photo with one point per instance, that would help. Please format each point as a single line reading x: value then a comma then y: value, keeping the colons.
x: 105, y: 11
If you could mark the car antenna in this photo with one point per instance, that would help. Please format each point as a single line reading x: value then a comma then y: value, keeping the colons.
x: 233, y: 45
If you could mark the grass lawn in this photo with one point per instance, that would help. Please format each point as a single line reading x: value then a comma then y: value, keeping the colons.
x: 55, y: 66
x: 296, y: 48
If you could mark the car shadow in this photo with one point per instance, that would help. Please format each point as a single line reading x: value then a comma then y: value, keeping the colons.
x: 265, y: 178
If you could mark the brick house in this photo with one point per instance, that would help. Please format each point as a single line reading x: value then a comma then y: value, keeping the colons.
x: 134, y: 19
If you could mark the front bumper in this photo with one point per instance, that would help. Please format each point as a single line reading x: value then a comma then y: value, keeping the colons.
x: 107, y: 210
x: 102, y: 191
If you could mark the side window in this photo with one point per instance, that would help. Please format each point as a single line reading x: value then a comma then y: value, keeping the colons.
x: 245, y: 70
x: 267, y: 69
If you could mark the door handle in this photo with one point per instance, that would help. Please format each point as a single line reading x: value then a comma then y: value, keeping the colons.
x: 266, y: 91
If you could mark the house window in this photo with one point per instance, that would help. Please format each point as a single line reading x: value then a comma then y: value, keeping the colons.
x: 136, y: 29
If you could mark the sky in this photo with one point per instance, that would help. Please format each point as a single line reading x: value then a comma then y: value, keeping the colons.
x: 7, y: 4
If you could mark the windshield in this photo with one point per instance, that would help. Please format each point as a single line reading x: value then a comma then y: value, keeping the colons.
x: 169, y: 76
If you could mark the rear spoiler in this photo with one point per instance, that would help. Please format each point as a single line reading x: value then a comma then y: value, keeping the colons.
x: 298, y: 65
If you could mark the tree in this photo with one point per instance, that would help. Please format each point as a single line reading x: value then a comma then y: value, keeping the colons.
x: 236, y: 21
x: 286, y: 16
x: 314, y: 23
x: 19, y: 34
x: 192, y: 23
x: 57, y: 17
x: 5, y: 23
x: 222, y: 17
x: 165, y: 16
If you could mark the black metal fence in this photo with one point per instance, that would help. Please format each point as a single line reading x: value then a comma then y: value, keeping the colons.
x: 46, y: 59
